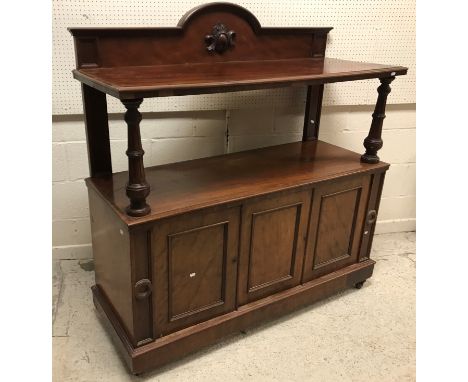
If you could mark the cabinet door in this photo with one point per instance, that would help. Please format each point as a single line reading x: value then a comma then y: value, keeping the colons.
x: 195, y: 268
x: 336, y: 222
x: 272, y: 244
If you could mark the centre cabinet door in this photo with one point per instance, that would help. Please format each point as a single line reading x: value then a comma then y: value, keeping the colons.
x: 273, y: 231
x: 195, y: 267
x: 336, y: 225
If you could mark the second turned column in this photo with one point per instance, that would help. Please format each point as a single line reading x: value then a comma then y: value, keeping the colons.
x: 137, y: 187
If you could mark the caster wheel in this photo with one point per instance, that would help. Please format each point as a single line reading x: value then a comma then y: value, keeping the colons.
x: 359, y: 284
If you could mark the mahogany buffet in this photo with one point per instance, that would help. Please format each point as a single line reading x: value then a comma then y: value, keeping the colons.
x: 190, y: 252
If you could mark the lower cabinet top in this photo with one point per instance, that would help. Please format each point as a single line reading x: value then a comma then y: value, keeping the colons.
x: 181, y: 187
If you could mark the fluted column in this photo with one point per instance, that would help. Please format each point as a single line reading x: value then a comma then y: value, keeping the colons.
x: 137, y: 187
x: 373, y: 141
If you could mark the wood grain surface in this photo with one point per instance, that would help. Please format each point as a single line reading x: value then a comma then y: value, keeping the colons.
x: 184, y: 186
x: 180, y: 79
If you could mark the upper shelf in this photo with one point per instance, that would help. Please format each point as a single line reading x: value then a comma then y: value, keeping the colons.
x: 166, y: 80
x: 215, y: 47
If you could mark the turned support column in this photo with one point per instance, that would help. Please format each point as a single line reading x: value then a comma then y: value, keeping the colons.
x: 312, y: 112
x: 137, y: 187
x: 373, y: 141
x: 97, y: 131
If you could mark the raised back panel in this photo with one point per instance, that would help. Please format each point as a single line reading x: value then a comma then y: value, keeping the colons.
x: 197, y: 270
x: 111, y: 47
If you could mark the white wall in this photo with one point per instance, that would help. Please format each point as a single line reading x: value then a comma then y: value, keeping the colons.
x: 195, y: 126
x: 366, y: 30
x: 176, y: 136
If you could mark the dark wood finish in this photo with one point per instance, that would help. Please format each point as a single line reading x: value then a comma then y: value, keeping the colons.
x: 195, y: 267
x: 137, y: 187
x: 221, y: 243
x: 179, y: 79
x: 377, y: 183
x: 184, y: 186
x: 225, y: 9
x: 335, y: 229
x: 154, y: 62
x: 220, y: 39
x: 185, y: 44
x: 97, y: 131
x: 111, y: 244
x: 359, y: 284
x: 142, y: 281
x: 162, y: 254
x: 169, y: 348
x: 272, y: 244
x: 373, y: 141
x: 313, y: 112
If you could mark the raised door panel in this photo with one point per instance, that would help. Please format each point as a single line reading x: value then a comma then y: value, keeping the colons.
x: 336, y: 223
x: 195, y: 262
x: 272, y: 244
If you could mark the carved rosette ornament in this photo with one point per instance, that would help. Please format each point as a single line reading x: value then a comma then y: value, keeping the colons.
x: 220, y: 39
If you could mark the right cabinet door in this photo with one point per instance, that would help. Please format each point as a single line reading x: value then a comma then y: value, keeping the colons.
x: 335, y: 229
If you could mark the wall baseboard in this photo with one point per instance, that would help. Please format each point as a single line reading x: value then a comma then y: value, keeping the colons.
x: 396, y: 225
x: 72, y: 252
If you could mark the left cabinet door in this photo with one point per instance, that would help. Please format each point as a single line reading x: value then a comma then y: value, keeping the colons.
x: 194, y: 267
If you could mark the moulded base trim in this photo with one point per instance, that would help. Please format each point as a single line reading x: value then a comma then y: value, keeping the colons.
x: 183, y: 342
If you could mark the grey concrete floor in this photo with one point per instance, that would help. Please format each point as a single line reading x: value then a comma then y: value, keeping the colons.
x: 358, y: 335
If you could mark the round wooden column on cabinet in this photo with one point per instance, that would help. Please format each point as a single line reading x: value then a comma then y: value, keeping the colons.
x: 137, y: 187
